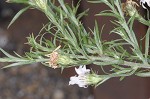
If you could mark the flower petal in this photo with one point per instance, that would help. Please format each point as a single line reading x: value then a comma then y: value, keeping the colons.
x: 73, y: 80
x: 82, y: 70
x: 142, y: 2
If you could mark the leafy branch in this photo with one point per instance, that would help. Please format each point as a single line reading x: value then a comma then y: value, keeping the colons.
x: 80, y: 47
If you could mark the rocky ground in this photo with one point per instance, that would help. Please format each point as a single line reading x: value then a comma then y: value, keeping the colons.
x: 37, y: 82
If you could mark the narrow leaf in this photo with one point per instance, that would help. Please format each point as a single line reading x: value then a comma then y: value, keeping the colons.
x: 147, y: 43
x: 146, y: 74
x: 17, y: 15
x: 8, y: 55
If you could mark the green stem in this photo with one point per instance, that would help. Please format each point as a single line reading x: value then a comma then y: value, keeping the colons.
x: 107, y: 59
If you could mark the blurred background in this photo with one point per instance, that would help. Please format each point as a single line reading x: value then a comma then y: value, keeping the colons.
x: 39, y: 82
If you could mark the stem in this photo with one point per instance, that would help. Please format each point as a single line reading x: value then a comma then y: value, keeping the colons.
x: 125, y: 63
x: 108, y: 59
x: 121, y: 75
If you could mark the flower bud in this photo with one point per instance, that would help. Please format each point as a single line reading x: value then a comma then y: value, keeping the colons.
x: 65, y: 60
x: 94, y: 79
x: 42, y: 4
x: 57, y: 59
x: 129, y: 7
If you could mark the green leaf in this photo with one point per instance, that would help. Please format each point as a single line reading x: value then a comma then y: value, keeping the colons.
x: 97, y: 37
x: 8, y: 55
x: 122, y: 78
x: 109, y: 13
x: 17, y: 15
x: 104, y: 79
x: 16, y: 64
x: 17, y: 1
x: 147, y: 40
x: 82, y: 14
x: 146, y: 74
x: 98, y: 1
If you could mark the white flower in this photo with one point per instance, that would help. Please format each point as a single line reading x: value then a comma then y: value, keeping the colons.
x: 81, y: 79
x: 142, y: 2
x: 82, y: 70
x: 85, y: 78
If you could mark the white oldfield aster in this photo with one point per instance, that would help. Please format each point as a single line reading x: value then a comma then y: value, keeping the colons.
x: 142, y: 2
x: 81, y: 79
